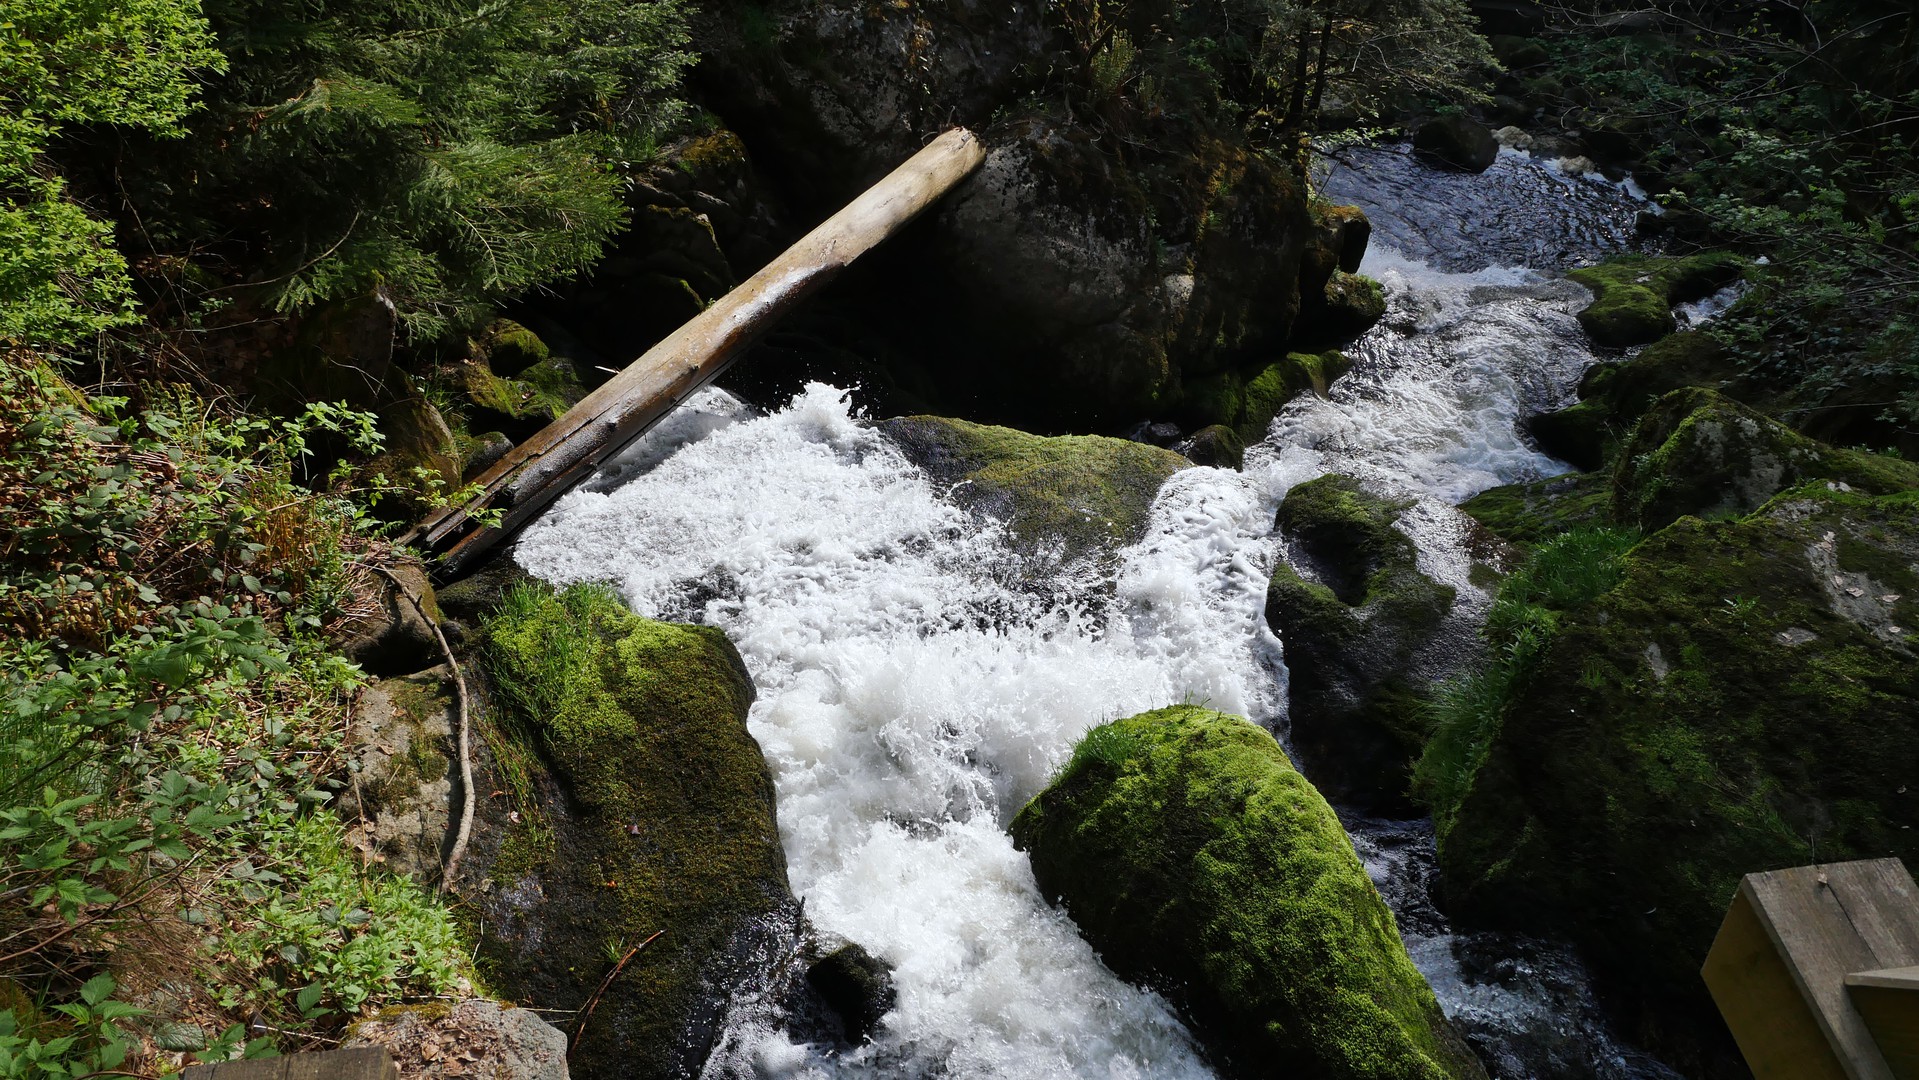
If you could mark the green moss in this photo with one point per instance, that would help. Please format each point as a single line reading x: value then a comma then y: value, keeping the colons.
x: 511, y: 348
x: 1247, y: 400
x: 1528, y: 513
x: 1693, y: 358
x: 670, y: 824
x: 1354, y: 303
x: 1196, y: 859
x: 1087, y: 493
x: 520, y: 406
x: 1352, y: 638
x: 1634, y: 294
x: 1728, y: 707
x: 1698, y: 452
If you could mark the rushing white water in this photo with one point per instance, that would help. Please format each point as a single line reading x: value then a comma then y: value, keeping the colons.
x: 910, y: 701
x: 916, y: 688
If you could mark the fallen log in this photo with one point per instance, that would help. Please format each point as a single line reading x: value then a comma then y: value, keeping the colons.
x: 563, y: 453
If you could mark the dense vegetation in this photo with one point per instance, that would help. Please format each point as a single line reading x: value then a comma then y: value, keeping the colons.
x: 1793, y: 132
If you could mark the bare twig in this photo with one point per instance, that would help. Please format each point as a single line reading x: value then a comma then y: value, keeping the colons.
x: 594, y: 1001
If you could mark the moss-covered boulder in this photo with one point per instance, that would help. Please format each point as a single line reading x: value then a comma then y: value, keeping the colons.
x: 1691, y: 358
x: 510, y: 348
x: 1633, y: 295
x: 420, y: 460
x: 1526, y: 514
x: 1745, y: 699
x: 1699, y: 452
x: 1351, y: 304
x: 660, y: 818
x: 1087, y: 494
x: 520, y: 406
x: 1198, y: 861
x: 1357, y: 629
x: 1216, y: 445
x: 1247, y: 399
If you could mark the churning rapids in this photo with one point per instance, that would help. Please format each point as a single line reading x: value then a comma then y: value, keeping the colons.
x: 915, y: 688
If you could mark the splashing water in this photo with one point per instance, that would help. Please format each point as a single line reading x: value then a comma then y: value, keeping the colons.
x: 915, y: 689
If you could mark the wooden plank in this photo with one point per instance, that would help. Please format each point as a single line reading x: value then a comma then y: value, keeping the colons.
x: 1762, y: 1006
x: 1821, y: 923
x: 537, y: 471
x: 357, y: 1063
x: 1889, y: 1002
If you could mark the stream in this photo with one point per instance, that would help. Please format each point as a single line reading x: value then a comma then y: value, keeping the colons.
x: 916, y: 687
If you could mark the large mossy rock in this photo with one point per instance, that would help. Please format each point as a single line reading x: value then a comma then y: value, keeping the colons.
x: 1746, y: 699
x: 1247, y: 399
x: 1360, y: 634
x: 1698, y: 452
x: 1529, y: 513
x: 662, y: 820
x: 1633, y: 295
x: 1086, y: 493
x: 1613, y: 396
x: 1198, y: 861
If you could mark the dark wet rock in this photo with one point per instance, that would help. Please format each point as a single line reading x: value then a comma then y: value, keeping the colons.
x: 1198, y: 861
x: 1456, y: 141
x: 1357, y: 634
x: 420, y: 459
x: 341, y: 351
x: 1247, y: 399
x: 483, y: 452
x: 1216, y: 445
x: 1080, y: 284
x: 857, y: 986
x: 1581, y: 434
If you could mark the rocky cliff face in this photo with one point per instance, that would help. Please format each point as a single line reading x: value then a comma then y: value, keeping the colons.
x: 1114, y: 246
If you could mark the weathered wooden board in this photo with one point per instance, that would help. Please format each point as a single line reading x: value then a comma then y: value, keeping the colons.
x: 1779, y: 967
x: 358, y: 1063
x: 540, y: 469
x: 1889, y: 1002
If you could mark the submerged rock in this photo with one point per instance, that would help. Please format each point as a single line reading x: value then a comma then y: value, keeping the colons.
x: 1197, y: 860
x: 1457, y: 141
x: 1087, y: 493
x: 1698, y: 452
x: 1359, y: 640
x: 1633, y: 295
x: 1746, y: 698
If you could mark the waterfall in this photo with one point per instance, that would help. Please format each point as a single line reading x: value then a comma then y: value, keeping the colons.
x: 916, y: 686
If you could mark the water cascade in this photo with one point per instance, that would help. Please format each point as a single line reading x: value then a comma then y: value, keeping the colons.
x: 916, y: 687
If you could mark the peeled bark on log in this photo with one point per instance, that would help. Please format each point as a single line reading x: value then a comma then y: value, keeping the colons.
x: 539, y: 470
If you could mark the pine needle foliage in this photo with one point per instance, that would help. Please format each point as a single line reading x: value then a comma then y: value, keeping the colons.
x: 65, y: 63
x: 449, y: 152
